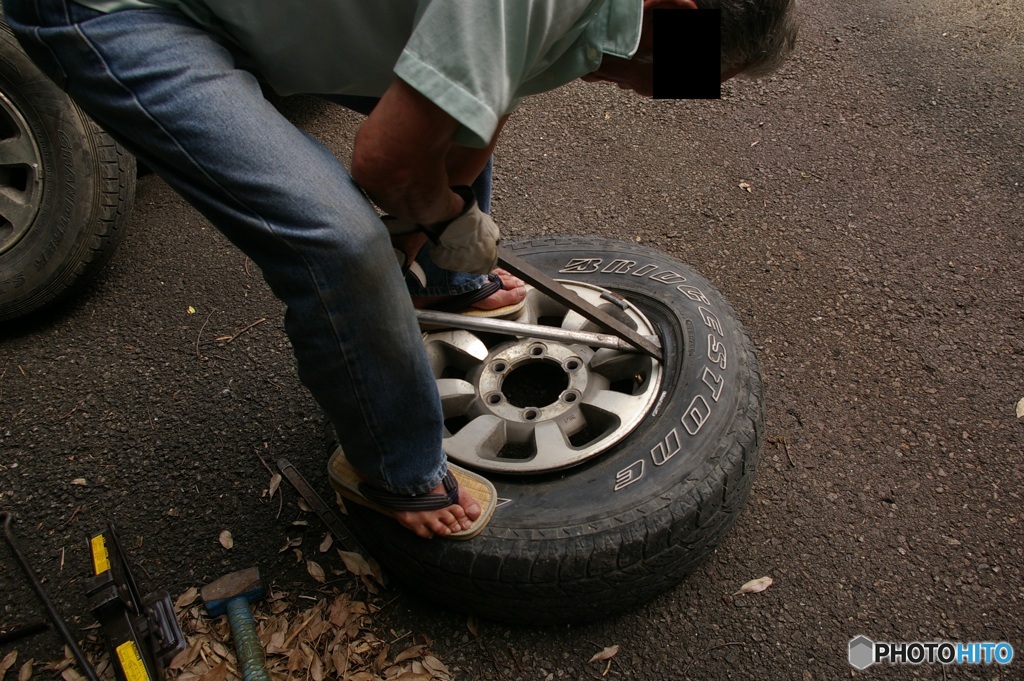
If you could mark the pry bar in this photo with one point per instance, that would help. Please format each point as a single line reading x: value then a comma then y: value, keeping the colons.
x: 547, y: 285
x: 328, y: 517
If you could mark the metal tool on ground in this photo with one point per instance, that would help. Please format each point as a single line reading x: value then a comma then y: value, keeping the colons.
x: 142, y: 633
x: 232, y: 594
x: 37, y: 586
x: 18, y: 633
x: 323, y: 511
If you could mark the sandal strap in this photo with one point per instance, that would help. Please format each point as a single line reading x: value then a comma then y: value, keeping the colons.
x: 417, y: 502
x: 461, y: 301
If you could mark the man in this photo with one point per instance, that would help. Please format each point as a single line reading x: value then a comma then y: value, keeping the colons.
x: 166, y: 78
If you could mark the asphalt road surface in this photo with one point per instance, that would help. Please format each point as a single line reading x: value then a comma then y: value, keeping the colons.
x: 862, y: 210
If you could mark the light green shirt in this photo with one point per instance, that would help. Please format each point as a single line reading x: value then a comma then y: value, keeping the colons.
x: 476, y: 59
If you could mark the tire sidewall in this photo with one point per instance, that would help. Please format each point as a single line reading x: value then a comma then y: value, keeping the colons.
x: 55, y: 249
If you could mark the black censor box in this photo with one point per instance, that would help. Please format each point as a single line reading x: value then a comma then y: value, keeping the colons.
x: 687, y: 53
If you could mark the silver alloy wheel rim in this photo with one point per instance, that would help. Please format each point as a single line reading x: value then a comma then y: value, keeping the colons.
x: 20, y: 176
x: 529, y: 406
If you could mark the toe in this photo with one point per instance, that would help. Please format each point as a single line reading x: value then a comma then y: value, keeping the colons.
x: 512, y: 292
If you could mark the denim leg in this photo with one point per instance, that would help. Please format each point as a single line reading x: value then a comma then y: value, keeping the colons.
x: 171, y: 93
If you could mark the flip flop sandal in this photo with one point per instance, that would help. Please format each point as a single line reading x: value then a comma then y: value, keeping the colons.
x: 350, y: 485
x: 463, y: 302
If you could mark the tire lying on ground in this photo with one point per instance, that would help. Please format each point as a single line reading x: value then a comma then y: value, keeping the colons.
x: 617, y: 475
x: 66, y: 189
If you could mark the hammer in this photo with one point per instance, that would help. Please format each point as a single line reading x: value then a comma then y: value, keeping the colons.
x: 232, y: 594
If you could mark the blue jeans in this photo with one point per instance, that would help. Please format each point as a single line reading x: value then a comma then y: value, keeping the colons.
x: 174, y: 96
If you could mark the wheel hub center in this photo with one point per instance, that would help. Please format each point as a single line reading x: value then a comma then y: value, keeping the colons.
x: 528, y: 382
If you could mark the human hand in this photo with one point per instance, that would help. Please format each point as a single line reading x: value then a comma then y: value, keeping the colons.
x: 468, y: 242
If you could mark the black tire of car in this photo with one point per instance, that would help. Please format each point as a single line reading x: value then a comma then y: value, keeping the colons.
x: 82, y: 183
x: 617, y: 530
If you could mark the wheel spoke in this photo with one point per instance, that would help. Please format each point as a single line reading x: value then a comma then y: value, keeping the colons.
x: 478, y: 442
x: 613, y: 402
x: 574, y: 321
x: 17, y: 150
x: 618, y: 365
x: 553, y: 448
x: 454, y: 347
x: 456, y: 396
x: 16, y: 207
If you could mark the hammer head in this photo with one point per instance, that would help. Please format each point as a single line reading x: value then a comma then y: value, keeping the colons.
x: 241, y: 584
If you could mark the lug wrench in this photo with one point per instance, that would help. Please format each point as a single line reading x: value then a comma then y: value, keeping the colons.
x: 87, y: 669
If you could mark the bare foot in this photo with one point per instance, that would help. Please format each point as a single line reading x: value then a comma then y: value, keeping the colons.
x: 512, y: 292
x: 441, y: 522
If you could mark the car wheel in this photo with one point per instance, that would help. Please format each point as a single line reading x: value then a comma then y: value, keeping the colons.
x: 617, y: 475
x: 66, y: 189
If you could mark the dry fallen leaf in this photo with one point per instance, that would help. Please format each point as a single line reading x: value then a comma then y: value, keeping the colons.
x: 275, y: 482
x: 80, y: 482
x: 316, y: 670
x: 355, y: 563
x: 755, y: 586
x: 70, y: 674
x: 304, y: 506
x: 363, y: 676
x: 290, y: 543
x: 25, y: 673
x: 436, y: 668
x: 606, y: 654
x: 1020, y: 408
x: 315, y: 571
x: 325, y: 545
x: 186, y: 656
x: 8, y: 662
x: 226, y: 540
x: 186, y: 598
x: 360, y: 567
x: 409, y: 653
x: 746, y: 185
x: 218, y: 673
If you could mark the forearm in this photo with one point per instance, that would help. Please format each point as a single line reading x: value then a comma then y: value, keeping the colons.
x: 406, y: 161
x: 425, y: 200
x: 399, y: 157
x: 464, y: 164
x: 419, y: 193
